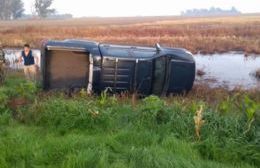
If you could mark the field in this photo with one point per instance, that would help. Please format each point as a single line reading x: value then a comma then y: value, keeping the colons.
x: 205, y: 35
x: 205, y: 128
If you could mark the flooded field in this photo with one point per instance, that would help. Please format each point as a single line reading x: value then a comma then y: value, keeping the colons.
x: 228, y: 70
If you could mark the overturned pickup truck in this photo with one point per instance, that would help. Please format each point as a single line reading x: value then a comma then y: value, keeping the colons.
x: 95, y: 66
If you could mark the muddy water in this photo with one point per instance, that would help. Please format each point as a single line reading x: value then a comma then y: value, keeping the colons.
x: 229, y: 69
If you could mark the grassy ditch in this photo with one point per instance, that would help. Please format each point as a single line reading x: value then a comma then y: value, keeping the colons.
x: 214, y: 128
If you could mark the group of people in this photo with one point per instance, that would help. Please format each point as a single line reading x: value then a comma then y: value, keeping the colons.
x: 29, y: 60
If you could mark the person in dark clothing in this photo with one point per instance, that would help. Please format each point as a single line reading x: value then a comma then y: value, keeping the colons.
x: 30, y: 63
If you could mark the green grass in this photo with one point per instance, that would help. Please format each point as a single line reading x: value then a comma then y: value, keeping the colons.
x: 55, y: 130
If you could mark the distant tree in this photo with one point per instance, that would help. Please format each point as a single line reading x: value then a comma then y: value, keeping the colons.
x: 2, y: 7
x: 210, y: 12
x: 42, y: 8
x: 17, y: 9
x: 11, y: 9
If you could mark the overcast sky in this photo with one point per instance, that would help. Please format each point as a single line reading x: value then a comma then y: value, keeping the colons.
x: 108, y: 8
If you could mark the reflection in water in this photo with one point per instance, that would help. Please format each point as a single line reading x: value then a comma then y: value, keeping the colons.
x: 229, y: 69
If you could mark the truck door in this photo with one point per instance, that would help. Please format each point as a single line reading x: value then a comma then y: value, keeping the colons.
x: 160, y: 70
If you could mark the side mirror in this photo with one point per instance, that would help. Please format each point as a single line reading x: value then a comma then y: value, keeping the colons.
x: 158, y: 47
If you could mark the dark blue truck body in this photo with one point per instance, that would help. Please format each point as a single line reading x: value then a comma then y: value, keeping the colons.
x: 97, y: 66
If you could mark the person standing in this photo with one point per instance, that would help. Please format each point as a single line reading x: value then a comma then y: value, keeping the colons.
x: 30, y: 63
x: 2, y: 62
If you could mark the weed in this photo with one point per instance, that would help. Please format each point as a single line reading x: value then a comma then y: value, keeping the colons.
x: 83, y: 93
x: 250, y: 107
x: 257, y: 74
x: 3, y: 99
x: 26, y: 90
x: 152, y: 111
x: 106, y: 100
x: 198, y: 120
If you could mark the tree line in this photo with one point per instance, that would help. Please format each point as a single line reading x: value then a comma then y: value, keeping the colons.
x: 211, y: 12
x: 14, y: 9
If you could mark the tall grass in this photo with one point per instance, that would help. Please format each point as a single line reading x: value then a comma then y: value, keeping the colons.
x: 55, y: 130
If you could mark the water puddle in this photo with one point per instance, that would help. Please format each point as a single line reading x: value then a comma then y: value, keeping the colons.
x: 230, y: 69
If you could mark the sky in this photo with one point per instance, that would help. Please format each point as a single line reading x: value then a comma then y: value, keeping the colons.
x: 114, y: 8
